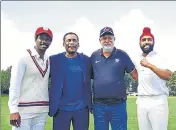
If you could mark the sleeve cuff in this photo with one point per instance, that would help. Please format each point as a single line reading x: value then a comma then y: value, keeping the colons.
x: 132, y: 70
x: 13, y: 109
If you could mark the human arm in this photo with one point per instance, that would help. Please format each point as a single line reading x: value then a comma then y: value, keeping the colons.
x: 17, y: 73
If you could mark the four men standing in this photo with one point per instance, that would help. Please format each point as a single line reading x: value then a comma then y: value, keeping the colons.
x: 70, y: 96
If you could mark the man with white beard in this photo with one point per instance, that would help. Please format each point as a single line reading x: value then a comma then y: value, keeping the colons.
x: 109, y: 65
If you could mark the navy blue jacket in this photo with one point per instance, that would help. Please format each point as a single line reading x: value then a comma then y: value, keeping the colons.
x: 57, y: 73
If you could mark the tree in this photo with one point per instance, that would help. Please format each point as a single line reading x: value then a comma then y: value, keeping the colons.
x: 130, y: 83
x: 172, y: 84
x: 5, y: 80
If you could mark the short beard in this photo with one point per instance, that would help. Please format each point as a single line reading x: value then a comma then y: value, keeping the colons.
x: 108, y: 49
x: 71, y: 52
x: 148, y: 50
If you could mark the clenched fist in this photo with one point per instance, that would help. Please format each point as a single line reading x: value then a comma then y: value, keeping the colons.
x: 15, y: 119
x: 144, y: 63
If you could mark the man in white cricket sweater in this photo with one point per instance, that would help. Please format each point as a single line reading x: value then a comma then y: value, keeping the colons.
x: 153, y: 72
x: 28, y: 92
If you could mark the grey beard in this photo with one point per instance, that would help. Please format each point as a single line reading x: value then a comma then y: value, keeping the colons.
x: 107, y: 49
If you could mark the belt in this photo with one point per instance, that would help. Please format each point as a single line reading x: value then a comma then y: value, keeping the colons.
x: 150, y: 95
x: 109, y: 101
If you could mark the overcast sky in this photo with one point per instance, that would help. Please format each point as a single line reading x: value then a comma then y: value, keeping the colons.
x: 19, y: 20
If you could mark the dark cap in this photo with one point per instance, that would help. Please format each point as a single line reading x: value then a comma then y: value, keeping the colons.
x: 106, y: 30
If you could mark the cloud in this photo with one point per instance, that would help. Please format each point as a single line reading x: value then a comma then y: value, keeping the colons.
x: 127, y: 31
x: 12, y: 41
x: 88, y: 35
x: 129, y: 28
x: 56, y: 45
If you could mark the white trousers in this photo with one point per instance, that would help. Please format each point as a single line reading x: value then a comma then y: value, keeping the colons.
x: 35, y: 123
x: 153, y: 117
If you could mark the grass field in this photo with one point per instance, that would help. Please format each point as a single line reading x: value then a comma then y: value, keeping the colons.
x: 132, y: 120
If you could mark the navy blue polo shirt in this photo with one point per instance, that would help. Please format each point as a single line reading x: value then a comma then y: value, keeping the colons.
x: 108, y: 73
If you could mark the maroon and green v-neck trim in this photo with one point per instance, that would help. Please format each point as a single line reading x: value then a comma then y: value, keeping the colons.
x: 42, y: 72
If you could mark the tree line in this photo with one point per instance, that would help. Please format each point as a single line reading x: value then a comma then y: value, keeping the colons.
x: 130, y: 83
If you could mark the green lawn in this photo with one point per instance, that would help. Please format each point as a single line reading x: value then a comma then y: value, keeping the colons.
x: 132, y: 120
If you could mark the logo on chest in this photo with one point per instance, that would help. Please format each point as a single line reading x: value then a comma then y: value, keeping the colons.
x: 117, y: 60
x: 97, y: 61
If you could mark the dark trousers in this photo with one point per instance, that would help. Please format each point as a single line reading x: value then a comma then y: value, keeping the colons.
x: 80, y: 120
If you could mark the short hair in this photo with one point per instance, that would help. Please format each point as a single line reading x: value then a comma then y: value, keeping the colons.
x: 70, y: 33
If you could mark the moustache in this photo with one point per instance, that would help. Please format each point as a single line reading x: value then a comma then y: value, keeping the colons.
x: 45, y: 43
x: 72, y: 46
x: 148, y: 50
x: 108, y: 43
x: 147, y: 44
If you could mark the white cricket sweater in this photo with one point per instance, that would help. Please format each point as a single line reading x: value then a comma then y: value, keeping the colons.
x: 28, y: 91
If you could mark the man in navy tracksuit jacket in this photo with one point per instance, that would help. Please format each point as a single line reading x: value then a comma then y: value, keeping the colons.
x: 109, y: 90
x: 70, y: 91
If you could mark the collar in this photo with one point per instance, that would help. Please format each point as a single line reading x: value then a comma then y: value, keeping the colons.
x: 35, y: 53
x: 78, y: 54
x: 150, y: 54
